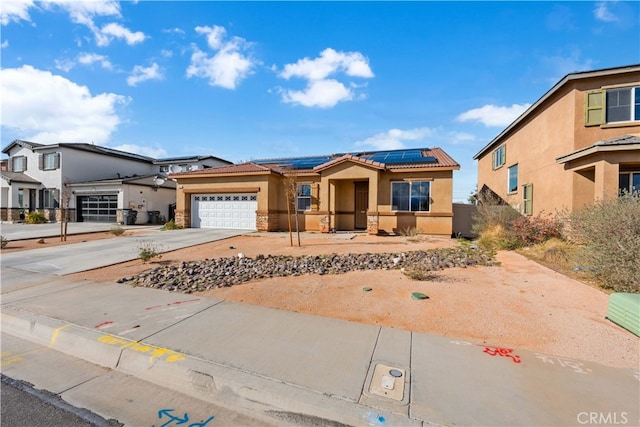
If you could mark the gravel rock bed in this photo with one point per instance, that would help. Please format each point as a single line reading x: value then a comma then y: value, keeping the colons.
x: 188, y: 277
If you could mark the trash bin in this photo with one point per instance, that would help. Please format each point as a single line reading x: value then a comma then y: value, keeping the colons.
x: 129, y: 216
x: 154, y: 217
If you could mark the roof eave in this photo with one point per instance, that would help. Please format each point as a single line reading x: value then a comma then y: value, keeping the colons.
x: 566, y: 79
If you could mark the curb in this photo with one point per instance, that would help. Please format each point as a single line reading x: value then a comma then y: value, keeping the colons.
x: 223, y: 385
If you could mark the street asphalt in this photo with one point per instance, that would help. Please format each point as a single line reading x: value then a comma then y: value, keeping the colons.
x: 296, y: 368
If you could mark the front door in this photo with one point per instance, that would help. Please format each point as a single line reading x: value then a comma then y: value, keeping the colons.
x: 362, y: 204
x: 32, y: 200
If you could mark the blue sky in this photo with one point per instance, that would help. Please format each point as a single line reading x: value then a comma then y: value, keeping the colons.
x: 250, y: 80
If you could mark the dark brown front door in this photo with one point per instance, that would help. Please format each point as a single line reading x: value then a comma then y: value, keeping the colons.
x: 362, y: 204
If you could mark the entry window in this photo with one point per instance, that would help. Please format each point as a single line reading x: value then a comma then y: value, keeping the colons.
x: 513, y: 179
x: 303, y: 195
x: 413, y: 196
x: 629, y: 182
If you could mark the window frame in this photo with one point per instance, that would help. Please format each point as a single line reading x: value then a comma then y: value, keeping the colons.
x: 633, y: 106
x: 23, y: 160
x: 303, y: 196
x: 413, y: 198
x: 512, y: 188
x: 499, y: 157
x: 630, y: 188
x: 54, y: 163
x: 49, y: 198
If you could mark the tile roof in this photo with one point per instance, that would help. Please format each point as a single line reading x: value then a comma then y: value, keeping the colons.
x: 414, y: 158
x: 624, y: 143
x: 248, y: 168
x: 18, y: 177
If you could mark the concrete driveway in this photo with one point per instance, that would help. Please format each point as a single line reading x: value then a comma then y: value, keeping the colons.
x: 74, y: 258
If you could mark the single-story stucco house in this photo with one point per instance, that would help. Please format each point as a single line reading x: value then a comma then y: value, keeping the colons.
x: 377, y: 191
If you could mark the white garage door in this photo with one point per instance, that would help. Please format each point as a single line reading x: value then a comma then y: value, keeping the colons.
x: 231, y: 211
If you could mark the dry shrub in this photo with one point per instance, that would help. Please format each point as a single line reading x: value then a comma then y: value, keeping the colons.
x: 498, y: 237
x: 609, y: 234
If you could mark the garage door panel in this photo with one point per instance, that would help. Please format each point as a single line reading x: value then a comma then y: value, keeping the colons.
x: 231, y: 211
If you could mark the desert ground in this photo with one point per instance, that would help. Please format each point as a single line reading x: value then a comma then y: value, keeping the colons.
x: 517, y: 304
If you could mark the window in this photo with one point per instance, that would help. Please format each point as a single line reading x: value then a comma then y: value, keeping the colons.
x: 18, y: 164
x: 183, y: 168
x: 164, y: 168
x: 513, y: 179
x: 629, y: 181
x: 612, y: 106
x: 499, y: 156
x: 303, y: 196
x: 20, y: 197
x: 527, y: 199
x: 413, y: 196
x: 48, y: 198
x: 49, y: 161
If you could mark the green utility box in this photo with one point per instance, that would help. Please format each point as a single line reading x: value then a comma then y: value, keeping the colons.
x: 624, y: 310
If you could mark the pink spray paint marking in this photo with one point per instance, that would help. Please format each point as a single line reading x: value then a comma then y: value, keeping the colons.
x: 172, y: 304
x: 502, y: 352
x: 103, y: 324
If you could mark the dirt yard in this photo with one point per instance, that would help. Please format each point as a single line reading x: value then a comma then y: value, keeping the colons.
x: 519, y: 304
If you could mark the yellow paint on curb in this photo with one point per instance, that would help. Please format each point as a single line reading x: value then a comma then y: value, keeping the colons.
x: 54, y: 336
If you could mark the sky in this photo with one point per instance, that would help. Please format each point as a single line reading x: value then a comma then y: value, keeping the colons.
x: 254, y: 80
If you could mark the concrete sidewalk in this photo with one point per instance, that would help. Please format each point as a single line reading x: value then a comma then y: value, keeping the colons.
x: 302, y: 369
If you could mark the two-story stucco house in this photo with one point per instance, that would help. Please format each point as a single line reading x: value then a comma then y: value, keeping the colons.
x: 99, y: 184
x: 578, y: 143
x: 377, y: 191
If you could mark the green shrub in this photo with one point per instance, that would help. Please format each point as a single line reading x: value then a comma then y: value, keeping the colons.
x: 117, y: 231
x: 3, y: 241
x: 148, y: 250
x: 36, y: 217
x: 171, y: 225
x: 608, y: 232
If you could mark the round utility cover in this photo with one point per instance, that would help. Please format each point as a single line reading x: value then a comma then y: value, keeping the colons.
x: 395, y: 373
x: 419, y: 295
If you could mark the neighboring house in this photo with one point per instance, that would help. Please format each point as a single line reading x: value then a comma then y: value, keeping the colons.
x: 99, y: 184
x: 579, y: 143
x: 377, y: 191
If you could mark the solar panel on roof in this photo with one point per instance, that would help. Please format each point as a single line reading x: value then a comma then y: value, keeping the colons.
x: 399, y: 157
x: 297, y: 162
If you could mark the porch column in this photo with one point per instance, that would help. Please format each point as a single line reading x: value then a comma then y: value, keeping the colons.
x: 373, y: 218
x: 606, y: 180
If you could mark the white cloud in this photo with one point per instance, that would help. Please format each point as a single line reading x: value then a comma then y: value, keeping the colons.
x: 142, y: 74
x: 395, y: 138
x: 92, y: 58
x: 15, y: 11
x: 320, y: 90
x: 556, y: 67
x: 48, y: 108
x: 455, y: 138
x: 156, y: 153
x: 166, y: 53
x: 228, y: 66
x: 65, y: 65
x: 329, y: 62
x: 4, y: 44
x: 214, y: 34
x: 321, y: 93
x: 114, y: 30
x: 602, y: 12
x: 493, y: 115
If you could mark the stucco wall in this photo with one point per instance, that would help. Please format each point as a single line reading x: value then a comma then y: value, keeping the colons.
x: 556, y: 129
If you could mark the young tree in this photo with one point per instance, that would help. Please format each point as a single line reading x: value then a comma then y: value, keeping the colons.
x: 65, y: 199
x: 291, y: 194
